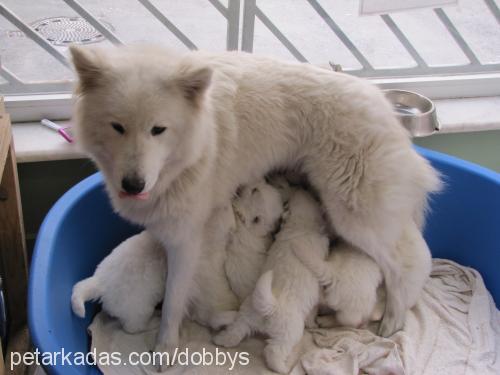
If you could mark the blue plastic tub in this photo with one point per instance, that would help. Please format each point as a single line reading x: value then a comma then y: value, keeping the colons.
x: 81, y: 229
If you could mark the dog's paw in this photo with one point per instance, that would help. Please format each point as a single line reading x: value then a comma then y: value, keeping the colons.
x: 391, y: 323
x: 164, y: 355
x: 227, y: 338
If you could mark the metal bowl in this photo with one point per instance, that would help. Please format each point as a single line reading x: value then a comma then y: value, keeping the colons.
x: 416, y: 112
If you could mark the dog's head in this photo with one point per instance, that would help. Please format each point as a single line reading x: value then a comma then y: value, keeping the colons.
x: 141, y: 115
x: 258, y: 207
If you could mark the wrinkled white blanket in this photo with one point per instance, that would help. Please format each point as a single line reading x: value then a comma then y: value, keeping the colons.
x: 454, y: 329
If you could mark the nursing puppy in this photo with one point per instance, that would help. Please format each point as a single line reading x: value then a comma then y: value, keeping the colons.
x: 258, y: 208
x: 175, y: 133
x: 287, y: 292
x: 350, y: 281
x: 353, y: 283
x: 129, y: 283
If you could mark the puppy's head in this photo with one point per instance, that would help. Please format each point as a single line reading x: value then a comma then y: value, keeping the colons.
x: 258, y: 207
x: 304, y: 212
x: 140, y: 114
x: 281, y: 183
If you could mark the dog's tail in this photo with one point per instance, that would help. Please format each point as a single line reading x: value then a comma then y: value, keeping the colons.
x: 263, y: 298
x: 319, y: 268
x: 84, y: 291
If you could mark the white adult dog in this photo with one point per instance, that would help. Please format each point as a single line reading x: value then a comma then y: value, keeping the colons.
x: 175, y: 134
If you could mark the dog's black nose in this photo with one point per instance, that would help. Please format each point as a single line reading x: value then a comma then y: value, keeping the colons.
x: 133, y: 184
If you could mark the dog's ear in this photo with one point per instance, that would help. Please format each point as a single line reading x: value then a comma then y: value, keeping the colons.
x: 89, y: 65
x: 194, y: 82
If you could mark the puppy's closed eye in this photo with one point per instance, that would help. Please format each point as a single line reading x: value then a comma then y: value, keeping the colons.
x: 256, y: 220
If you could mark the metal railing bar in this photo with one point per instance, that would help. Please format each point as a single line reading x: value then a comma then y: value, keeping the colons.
x: 247, y: 33
x: 493, y: 8
x: 233, y: 25
x: 340, y: 34
x: 457, y: 36
x: 9, y: 76
x: 278, y: 34
x: 33, y: 35
x: 221, y: 8
x: 168, y: 24
x: 403, y: 40
x: 90, y: 18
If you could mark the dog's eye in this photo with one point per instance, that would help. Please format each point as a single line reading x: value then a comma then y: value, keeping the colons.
x: 118, y: 127
x: 254, y: 190
x: 157, y: 130
x: 256, y: 220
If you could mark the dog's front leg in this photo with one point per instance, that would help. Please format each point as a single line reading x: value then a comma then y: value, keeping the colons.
x: 183, y: 253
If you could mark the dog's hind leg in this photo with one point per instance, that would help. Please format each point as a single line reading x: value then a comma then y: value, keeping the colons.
x: 381, y: 249
x: 371, y: 222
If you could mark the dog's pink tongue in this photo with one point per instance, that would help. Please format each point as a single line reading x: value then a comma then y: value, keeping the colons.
x: 141, y: 196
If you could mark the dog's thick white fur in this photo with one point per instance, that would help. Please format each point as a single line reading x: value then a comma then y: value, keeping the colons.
x: 175, y: 134
x: 352, y: 281
x: 287, y: 292
x: 258, y: 208
x: 129, y: 282
x: 213, y: 302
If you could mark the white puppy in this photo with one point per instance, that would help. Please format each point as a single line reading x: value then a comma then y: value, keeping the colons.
x: 129, y: 282
x: 175, y: 133
x: 287, y: 292
x: 258, y: 208
x: 353, y: 282
x: 350, y: 281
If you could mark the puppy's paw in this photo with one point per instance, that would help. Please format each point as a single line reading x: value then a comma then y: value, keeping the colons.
x: 78, y: 305
x: 227, y: 338
x: 222, y: 319
x: 326, y: 321
x: 275, y: 358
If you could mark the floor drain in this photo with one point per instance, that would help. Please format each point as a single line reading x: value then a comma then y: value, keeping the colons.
x: 62, y: 31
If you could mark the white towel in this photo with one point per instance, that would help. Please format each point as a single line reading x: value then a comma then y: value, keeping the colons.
x: 454, y: 329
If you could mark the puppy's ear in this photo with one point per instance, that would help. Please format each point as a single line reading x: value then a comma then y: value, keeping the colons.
x: 194, y: 82
x: 89, y: 65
